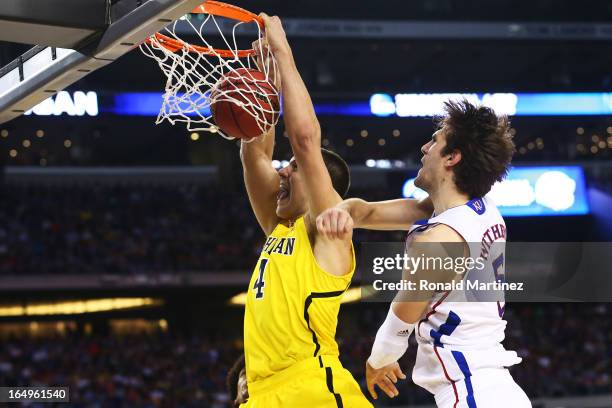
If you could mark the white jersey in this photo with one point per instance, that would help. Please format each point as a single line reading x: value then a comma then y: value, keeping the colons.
x: 458, y: 335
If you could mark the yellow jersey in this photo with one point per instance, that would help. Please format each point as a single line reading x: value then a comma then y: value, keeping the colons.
x: 292, y: 304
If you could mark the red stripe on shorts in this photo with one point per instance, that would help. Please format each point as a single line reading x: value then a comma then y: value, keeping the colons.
x: 447, y: 377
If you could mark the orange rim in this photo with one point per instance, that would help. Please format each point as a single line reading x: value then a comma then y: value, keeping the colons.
x: 219, y: 9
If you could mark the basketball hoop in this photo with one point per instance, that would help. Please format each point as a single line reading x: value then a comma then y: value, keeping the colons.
x: 197, y: 74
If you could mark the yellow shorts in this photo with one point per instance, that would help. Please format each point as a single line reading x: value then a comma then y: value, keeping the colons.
x: 311, y: 383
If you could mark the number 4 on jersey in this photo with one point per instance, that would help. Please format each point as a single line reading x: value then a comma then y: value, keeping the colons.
x: 259, y: 282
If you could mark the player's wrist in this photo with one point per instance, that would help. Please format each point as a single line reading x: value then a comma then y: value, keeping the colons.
x: 283, y: 54
x: 391, y: 341
x: 344, y: 206
x: 349, y: 205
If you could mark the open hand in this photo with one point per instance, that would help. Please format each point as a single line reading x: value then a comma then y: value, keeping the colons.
x: 385, y: 377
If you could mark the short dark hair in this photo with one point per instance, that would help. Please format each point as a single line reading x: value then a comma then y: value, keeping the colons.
x: 338, y: 171
x: 233, y: 375
x: 485, y: 143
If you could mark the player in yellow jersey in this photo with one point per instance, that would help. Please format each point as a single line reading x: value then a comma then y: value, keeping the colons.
x: 295, y: 291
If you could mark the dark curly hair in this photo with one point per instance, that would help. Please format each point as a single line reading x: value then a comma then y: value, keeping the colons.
x: 233, y: 375
x: 485, y: 143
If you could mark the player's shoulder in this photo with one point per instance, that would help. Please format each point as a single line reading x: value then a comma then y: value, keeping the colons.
x: 439, y: 233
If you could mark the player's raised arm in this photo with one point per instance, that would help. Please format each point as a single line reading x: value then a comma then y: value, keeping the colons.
x: 301, y: 124
x: 261, y: 179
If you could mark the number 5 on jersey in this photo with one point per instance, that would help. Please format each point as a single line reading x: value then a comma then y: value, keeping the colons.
x: 259, y: 282
x: 500, y: 276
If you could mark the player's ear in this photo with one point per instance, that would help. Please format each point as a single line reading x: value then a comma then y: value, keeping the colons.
x: 453, y: 158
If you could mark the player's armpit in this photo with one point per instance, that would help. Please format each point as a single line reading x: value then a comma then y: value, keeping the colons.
x: 399, y: 214
x: 334, y: 256
x: 261, y: 179
x: 319, y: 186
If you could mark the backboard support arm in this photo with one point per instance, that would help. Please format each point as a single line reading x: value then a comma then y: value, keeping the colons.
x: 43, y: 71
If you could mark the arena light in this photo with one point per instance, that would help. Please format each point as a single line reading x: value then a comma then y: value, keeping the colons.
x: 77, y: 306
x: 432, y: 104
x: 385, y: 164
x: 382, y: 105
x: 409, y: 190
x: 239, y: 299
x: 279, y: 164
x: 77, y: 104
x: 533, y: 191
x: 519, y: 104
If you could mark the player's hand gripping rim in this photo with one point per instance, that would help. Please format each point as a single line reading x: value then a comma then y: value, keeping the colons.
x: 385, y: 377
x: 335, y: 223
x: 275, y: 34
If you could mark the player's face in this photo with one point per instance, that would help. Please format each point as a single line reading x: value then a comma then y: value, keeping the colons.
x: 291, y: 199
x: 433, y: 169
x: 242, y: 394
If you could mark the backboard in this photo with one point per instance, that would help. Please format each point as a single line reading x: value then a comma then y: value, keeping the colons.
x: 46, y: 69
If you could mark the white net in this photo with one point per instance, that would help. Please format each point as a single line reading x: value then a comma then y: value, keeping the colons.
x: 197, y: 75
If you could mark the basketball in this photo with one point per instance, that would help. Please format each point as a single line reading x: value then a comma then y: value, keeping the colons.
x: 245, y: 104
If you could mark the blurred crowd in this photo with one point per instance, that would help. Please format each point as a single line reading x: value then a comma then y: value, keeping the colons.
x: 128, y: 371
x: 125, y: 229
x: 128, y: 229
x: 566, y: 350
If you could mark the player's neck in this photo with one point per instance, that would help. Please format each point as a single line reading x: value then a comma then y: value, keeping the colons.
x: 447, y: 196
x: 290, y: 222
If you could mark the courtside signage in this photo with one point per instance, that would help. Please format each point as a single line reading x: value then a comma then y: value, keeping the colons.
x: 78, y: 103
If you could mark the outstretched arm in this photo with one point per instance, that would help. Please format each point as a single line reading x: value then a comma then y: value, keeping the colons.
x: 301, y: 123
x: 261, y: 179
x: 398, y: 214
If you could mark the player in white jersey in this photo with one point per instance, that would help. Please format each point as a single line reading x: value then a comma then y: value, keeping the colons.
x: 460, y: 358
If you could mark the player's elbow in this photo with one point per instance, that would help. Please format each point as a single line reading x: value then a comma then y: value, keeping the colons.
x: 305, y: 139
x: 304, y: 133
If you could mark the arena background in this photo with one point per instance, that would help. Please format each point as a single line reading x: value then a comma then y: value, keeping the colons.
x: 123, y: 244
